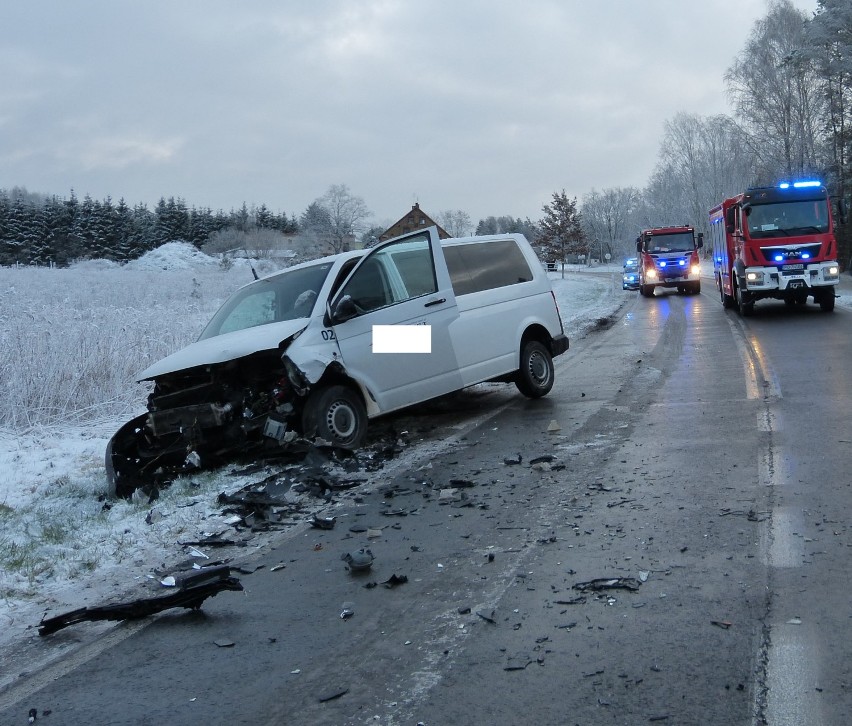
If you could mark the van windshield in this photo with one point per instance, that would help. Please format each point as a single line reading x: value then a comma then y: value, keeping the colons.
x: 286, y: 296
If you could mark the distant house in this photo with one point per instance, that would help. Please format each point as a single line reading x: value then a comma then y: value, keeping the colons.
x: 414, y: 220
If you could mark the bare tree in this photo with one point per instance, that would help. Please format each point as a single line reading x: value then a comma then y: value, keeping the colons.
x: 346, y: 215
x: 702, y: 161
x: 606, y: 216
x: 775, y: 93
x: 456, y: 222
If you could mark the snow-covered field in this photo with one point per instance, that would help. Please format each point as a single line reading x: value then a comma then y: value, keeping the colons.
x: 71, y: 343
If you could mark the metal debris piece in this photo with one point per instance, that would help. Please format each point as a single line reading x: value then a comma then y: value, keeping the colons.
x: 318, y: 522
x: 347, y: 610
x: 224, y: 643
x: 553, y: 426
x: 195, y: 588
x: 724, y: 624
x: 358, y: 561
x: 609, y: 583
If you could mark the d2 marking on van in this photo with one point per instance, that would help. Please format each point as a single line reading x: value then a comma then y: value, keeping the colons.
x: 402, y: 339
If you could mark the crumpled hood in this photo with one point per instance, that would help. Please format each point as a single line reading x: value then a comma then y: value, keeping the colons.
x: 226, y: 347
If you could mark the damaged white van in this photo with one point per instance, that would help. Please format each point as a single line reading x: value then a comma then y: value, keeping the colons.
x: 320, y: 348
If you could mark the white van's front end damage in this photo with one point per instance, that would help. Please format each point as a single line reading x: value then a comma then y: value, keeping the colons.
x: 239, y: 390
x: 206, y: 414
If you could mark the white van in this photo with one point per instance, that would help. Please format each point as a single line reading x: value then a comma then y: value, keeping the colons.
x: 300, y: 350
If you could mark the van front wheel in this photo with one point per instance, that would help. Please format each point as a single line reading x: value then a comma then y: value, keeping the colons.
x: 337, y: 415
x: 535, y: 374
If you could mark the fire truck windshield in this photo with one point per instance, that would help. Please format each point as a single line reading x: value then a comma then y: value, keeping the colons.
x: 786, y: 219
x: 678, y: 242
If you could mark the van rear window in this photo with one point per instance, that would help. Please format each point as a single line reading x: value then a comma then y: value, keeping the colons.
x: 486, y: 265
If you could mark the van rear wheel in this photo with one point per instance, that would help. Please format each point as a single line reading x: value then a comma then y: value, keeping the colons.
x: 535, y: 373
x: 337, y: 415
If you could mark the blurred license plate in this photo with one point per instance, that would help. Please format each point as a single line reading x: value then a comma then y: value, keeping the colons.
x: 799, y: 266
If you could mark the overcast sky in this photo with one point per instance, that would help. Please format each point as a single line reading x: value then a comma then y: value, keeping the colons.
x: 488, y: 106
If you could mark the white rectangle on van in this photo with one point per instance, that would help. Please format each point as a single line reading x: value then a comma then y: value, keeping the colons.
x: 402, y: 339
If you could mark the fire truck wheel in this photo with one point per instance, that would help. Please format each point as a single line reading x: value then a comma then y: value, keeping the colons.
x: 826, y: 300
x: 696, y: 288
x: 535, y: 373
x: 744, y: 305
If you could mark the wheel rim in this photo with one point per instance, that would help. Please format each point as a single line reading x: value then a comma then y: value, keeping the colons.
x: 538, y: 369
x: 341, y: 420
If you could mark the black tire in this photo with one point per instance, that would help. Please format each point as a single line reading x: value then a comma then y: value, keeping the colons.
x: 337, y: 415
x: 696, y: 288
x: 727, y: 300
x: 646, y: 290
x: 826, y: 300
x: 745, y: 306
x: 535, y: 372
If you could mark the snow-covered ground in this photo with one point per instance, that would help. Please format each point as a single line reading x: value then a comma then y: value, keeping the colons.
x: 63, y: 544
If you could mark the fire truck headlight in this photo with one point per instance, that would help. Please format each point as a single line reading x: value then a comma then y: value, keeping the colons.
x: 755, y: 277
x: 651, y: 274
x: 832, y: 271
x: 696, y: 269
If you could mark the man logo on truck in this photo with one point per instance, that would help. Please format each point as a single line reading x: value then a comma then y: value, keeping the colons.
x: 775, y: 242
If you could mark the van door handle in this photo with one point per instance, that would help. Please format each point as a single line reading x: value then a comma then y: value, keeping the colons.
x: 435, y: 302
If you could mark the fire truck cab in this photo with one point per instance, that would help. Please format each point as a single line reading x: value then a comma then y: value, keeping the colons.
x: 775, y: 242
x: 668, y: 257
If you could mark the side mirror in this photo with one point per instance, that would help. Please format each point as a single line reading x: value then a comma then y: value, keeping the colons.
x: 639, y: 245
x: 344, y: 310
x: 700, y: 240
x: 729, y: 221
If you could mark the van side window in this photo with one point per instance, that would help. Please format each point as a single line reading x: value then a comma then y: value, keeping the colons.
x: 397, y: 272
x: 486, y: 265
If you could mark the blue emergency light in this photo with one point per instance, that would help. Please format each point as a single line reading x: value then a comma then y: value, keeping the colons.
x: 800, y: 184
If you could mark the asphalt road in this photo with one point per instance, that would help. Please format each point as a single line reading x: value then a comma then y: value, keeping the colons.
x: 696, y: 471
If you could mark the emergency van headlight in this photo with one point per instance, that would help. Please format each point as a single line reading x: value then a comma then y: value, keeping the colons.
x: 754, y: 277
x: 651, y: 274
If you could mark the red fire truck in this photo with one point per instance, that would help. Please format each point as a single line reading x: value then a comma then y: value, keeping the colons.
x: 775, y: 242
x: 668, y: 257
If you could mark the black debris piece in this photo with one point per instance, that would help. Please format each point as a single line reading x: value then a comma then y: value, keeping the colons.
x: 33, y: 714
x: 517, y: 662
x: 195, y: 588
x: 333, y: 693
x: 464, y: 610
x: 543, y: 459
x: 579, y: 600
x: 608, y: 583
x: 509, y: 461
x: 395, y: 580
x: 358, y: 528
x: 462, y: 483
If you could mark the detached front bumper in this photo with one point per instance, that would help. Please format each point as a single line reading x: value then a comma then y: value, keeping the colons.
x: 792, y: 277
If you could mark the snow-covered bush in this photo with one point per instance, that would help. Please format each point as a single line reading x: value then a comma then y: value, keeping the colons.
x: 73, y: 340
